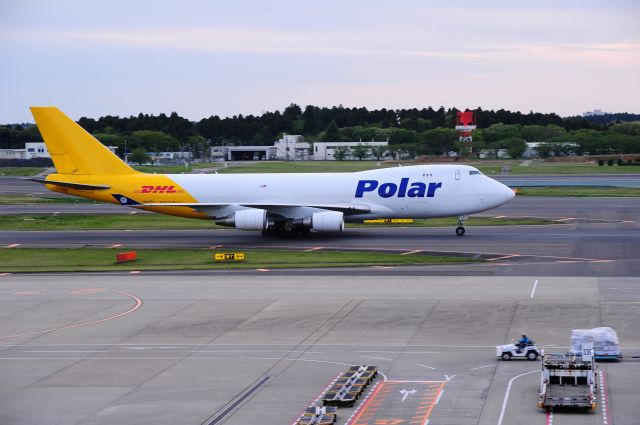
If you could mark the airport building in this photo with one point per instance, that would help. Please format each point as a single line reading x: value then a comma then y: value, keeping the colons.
x: 325, y: 151
x: 292, y: 147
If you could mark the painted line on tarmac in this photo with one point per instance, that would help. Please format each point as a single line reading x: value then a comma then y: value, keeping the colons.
x: 4, y: 274
x: 549, y: 417
x: 317, y: 399
x: 13, y: 245
x: 137, y: 304
x: 482, y: 367
x: 115, y: 245
x: 604, y: 400
x: 533, y: 291
x: 415, y: 251
x: 506, y: 394
x: 424, y: 365
x: 376, y: 358
x: 315, y: 248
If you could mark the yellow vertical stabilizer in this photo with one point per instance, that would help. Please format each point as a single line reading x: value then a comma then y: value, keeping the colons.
x: 72, y: 149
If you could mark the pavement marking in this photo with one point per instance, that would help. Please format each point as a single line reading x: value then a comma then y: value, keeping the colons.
x: 398, y: 402
x: 134, y: 272
x: 136, y: 306
x: 549, y: 417
x: 315, y: 248
x: 449, y: 378
x: 317, y: 399
x: 215, y: 246
x: 399, y: 352
x: 377, y: 358
x: 482, y: 367
x: 4, y: 274
x: 506, y: 394
x: 500, y: 216
x: 604, y: 400
x: 116, y: 245
x: 263, y: 270
x: 504, y: 257
x: 34, y: 292
x: 64, y: 351
x: 415, y: 251
x: 424, y: 365
x: 13, y: 245
x: 533, y: 291
x: 602, y: 261
x: 381, y: 267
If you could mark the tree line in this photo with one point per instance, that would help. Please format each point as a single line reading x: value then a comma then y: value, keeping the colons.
x: 425, y: 131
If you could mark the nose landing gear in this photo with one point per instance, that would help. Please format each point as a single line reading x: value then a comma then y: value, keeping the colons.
x: 460, y: 229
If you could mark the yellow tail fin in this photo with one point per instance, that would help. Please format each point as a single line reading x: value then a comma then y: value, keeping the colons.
x: 72, y: 149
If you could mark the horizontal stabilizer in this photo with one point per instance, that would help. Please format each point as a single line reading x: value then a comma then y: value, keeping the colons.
x: 79, y: 186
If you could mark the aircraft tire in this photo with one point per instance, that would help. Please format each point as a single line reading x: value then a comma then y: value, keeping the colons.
x: 459, y: 230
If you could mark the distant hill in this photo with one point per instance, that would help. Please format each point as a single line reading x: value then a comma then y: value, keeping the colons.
x: 607, y: 118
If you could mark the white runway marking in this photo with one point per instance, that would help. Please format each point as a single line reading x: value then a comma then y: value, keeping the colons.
x: 533, y: 291
x: 424, y: 365
x: 482, y: 367
x: 377, y: 358
x: 506, y: 394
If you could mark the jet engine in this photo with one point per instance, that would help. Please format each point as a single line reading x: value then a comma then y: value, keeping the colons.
x: 329, y: 221
x: 249, y: 219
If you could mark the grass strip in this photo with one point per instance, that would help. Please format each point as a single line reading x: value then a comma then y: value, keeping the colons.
x: 39, y: 199
x: 575, y: 191
x: 20, y: 171
x: 103, y: 259
x: 163, y: 222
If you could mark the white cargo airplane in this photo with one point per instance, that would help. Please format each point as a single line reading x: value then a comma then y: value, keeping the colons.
x: 272, y: 203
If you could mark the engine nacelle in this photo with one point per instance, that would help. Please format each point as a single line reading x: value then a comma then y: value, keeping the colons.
x: 329, y: 221
x: 250, y: 219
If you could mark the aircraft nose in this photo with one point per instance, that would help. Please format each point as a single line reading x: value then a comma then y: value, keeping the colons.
x: 509, y: 193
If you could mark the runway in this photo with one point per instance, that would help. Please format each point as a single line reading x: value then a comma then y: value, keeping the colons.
x: 247, y: 349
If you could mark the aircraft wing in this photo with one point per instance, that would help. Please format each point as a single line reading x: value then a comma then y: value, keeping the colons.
x: 346, y: 208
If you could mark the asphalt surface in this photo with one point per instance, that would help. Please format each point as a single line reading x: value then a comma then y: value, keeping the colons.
x: 594, y: 237
x: 157, y: 349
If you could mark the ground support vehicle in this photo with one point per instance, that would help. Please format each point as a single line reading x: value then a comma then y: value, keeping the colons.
x: 567, y: 382
x: 511, y: 351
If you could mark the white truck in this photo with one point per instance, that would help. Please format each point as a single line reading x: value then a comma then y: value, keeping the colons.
x: 568, y: 381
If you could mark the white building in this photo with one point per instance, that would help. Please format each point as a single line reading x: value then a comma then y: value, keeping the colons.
x: 292, y: 147
x: 36, y: 150
x: 13, y: 153
x: 325, y: 151
x: 594, y: 113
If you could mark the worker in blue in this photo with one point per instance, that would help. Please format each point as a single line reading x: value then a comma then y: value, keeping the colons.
x: 523, y: 342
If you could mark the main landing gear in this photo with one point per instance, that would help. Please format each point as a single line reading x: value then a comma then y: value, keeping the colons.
x: 460, y: 228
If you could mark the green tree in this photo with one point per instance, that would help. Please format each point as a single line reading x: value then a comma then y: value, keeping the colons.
x: 340, y: 152
x: 139, y: 156
x: 157, y: 141
x: 379, y: 151
x: 515, y: 146
x: 500, y: 131
x: 360, y: 151
x: 331, y: 133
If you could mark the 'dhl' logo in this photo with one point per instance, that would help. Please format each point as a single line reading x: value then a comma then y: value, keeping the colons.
x: 158, y: 189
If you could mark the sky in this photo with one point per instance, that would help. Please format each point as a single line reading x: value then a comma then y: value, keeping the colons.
x: 203, y: 58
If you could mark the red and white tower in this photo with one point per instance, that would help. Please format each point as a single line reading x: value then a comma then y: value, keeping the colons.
x: 465, y: 123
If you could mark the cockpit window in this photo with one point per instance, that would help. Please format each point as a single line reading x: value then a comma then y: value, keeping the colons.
x: 473, y: 172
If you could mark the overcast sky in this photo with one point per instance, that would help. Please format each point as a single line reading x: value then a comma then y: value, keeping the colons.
x: 202, y: 58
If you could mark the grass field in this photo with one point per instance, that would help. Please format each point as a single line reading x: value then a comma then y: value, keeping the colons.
x: 102, y: 259
x: 20, y: 171
x: 163, y: 222
x: 610, y: 192
x: 27, y: 199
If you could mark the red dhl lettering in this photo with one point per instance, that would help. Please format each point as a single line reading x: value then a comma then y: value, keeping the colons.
x: 157, y: 189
